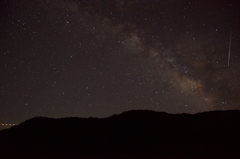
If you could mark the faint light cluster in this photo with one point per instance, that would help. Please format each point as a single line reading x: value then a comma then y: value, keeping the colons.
x: 8, y: 124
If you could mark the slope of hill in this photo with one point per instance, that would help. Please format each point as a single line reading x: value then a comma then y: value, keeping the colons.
x: 133, y: 134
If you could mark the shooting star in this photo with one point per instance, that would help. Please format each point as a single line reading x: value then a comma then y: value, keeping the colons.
x: 229, y: 53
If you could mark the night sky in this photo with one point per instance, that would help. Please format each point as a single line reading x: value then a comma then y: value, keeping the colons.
x: 96, y: 58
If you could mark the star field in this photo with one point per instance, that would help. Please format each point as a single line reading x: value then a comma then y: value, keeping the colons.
x: 63, y: 58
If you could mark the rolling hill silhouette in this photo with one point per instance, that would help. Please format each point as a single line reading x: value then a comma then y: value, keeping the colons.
x: 132, y: 134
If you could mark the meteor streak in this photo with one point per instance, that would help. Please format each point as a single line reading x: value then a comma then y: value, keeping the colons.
x: 229, y: 53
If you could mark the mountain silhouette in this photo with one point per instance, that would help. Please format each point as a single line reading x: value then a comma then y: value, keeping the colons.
x: 133, y: 134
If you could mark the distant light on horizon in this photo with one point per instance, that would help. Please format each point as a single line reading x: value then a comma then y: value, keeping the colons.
x: 8, y: 124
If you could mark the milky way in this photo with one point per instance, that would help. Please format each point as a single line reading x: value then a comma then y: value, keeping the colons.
x: 64, y: 58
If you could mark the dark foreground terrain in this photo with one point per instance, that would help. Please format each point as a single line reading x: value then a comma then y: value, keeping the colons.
x: 133, y: 134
